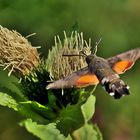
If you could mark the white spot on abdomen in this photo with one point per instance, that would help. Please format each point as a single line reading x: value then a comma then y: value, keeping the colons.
x: 111, y: 93
x: 104, y: 80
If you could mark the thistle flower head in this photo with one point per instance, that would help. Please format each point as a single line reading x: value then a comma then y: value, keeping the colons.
x: 60, y: 66
x: 16, y: 53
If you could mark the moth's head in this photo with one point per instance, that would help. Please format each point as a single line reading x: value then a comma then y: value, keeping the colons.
x: 90, y: 58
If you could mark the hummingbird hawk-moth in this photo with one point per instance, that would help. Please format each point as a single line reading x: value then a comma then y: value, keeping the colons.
x: 103, y: 71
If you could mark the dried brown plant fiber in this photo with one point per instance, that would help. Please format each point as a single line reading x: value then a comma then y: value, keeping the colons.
x: 16, y: 53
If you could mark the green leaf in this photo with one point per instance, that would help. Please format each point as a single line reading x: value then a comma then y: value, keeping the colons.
x: 37, y: 111
x: 29, y: 110
x: 88, y: 108
x: 74, y: 116
x: 87, y: 132
x: 7, y: 100
x: 44, y: 132
x: 10, y: 85
x: 71, y: 118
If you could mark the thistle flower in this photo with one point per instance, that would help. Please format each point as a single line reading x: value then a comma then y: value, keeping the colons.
x: 16, y: 53
x: 60, y: 66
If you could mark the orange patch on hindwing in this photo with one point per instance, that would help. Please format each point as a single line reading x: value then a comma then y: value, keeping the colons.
x: 121, y: 66
x: 88, y: 79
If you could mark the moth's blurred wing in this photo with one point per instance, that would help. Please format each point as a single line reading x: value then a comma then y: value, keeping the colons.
x: 81, y: 78
x: 124, y: 61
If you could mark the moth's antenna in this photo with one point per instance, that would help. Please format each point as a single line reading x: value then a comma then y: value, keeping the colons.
x: 96, y: 45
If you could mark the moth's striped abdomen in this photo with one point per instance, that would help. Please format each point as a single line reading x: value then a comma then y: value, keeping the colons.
x: 116, y: 87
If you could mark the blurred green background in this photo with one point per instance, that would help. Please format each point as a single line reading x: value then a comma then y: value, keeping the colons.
x: 116, y: 21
